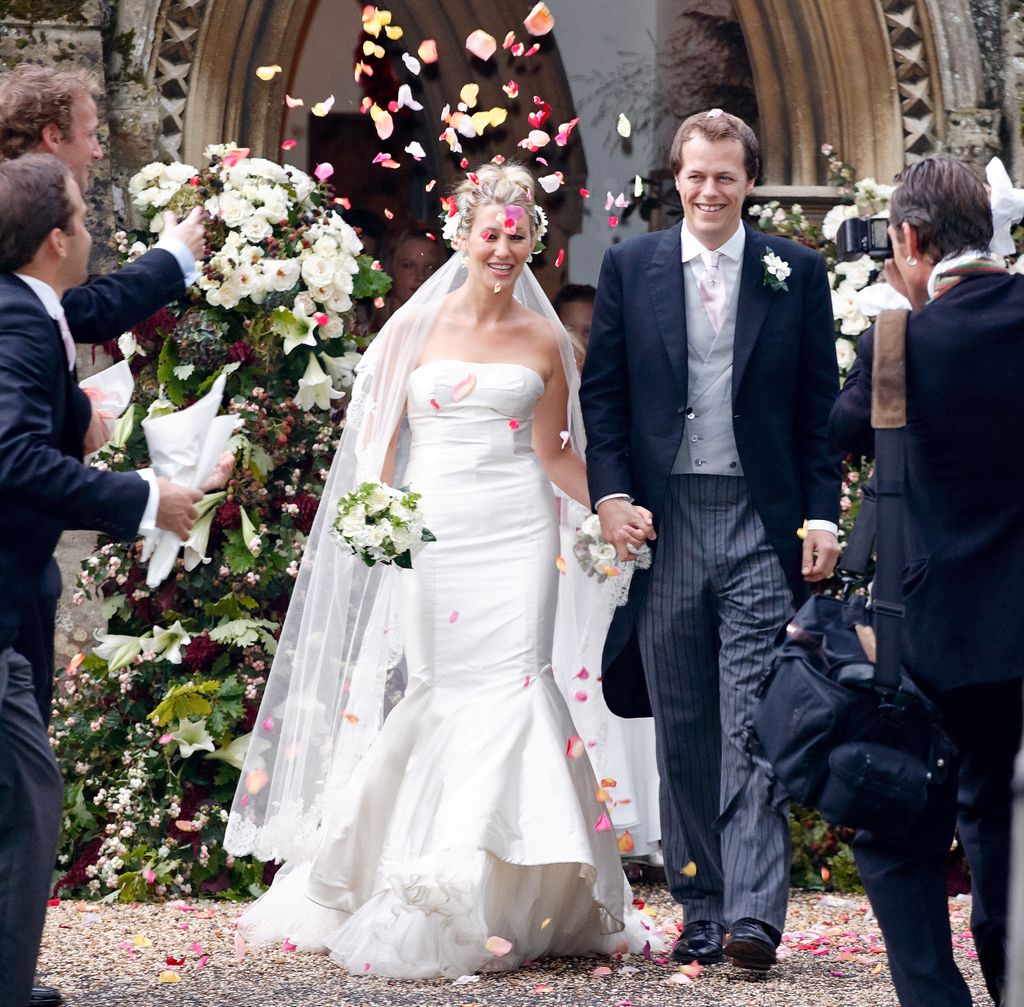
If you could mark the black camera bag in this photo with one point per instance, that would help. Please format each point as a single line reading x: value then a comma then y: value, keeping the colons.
x: 845, y: 729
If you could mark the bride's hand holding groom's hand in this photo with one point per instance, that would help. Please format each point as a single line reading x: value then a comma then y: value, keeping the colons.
x: 626, y: 526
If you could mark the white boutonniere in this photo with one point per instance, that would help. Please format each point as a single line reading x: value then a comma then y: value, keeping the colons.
x: 776, y: 270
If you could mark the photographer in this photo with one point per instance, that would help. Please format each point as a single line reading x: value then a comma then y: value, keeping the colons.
x: 964, y: 597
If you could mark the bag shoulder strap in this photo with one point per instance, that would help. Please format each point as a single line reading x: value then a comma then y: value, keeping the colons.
x: 889, y: 418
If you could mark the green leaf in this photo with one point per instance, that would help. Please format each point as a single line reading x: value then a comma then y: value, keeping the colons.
x: 231, y: 606
x: 369, y: 282
x: 244, y: 632
x: 186, y: 701
x: 236, y: 552
x: 165, y: 372
x: 114, y: 605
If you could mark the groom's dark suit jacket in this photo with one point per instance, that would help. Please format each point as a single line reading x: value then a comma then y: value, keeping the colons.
x: 44, y: 487
x: 634, y: 402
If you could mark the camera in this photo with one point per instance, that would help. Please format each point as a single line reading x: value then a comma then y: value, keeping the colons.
x: 859, y: 236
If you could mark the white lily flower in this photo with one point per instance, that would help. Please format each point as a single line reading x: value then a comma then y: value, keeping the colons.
x: 192, y: 736
x: 118, y: 651
x: 233, y: 754
x: 167, y: 643
x: 315, y: 388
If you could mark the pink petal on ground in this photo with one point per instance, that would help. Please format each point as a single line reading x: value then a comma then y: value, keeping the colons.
x: 601, y: 970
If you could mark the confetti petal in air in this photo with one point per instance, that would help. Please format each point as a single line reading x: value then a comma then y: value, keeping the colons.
x: 638, y: 187
x: 412, y: 64
x: 511, y: 88
x: 321, y: 108
x: 464, y: 388
x: 609, y: 782
x: 560, y: 258
x: 513, y: 424
x: 435, y: 404
x: 454, y: 617
x: 361, y: 70
x: 469, y: 95
x: 533, y: 50
x: 289, y: 144
x: 551, y: 183
x: 510, y: 40
x: 393, y: 32
x: 546, y: 922
x: 498, y: 946
x: 621, y: 201
x: 256, y: 780
x: 603, y: 823
x: 427, y: 51
x: 381, y: 158
x: 324, y: 170
x: 416, y: 150
x: 388, y: 213
x: 481, y: 45
x: 267, y: 72
x: 375, y: 19
x: 609, y: 202
x: 429, y: 187
x: 689, y: 871
x: 565, y: 131
x: 382, y: 121
x: 560, y: 565
x: 541, y: 116
x: 580, y: 697
x: 585, y: 193
x: 536, y: 139
x: 623, y: 127
x: 574, y: 747
x: 372, y: 49
x: 293, y: 102
x: 518, y: 49
x: 406, y: 100
x: 232, y: 157
x: 539, y: 21
x: 626, y: 844
x: 613, y: 221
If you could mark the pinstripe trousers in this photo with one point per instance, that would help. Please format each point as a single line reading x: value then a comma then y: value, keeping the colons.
x: 716, y: 599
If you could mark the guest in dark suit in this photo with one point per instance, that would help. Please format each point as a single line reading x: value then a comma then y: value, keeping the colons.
x: 53, y: 111
x: 706, y: 392
x: 964, y: 516
x: 44, y: 489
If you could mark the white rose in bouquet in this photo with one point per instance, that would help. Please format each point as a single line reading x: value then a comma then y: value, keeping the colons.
x: 380, y: 524
x: 317, y: 271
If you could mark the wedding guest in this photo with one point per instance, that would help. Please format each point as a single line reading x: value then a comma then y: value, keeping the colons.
x: 45, y: 489
x: 574, y: 305
x: 410, y: 258
x: 706, y: 392
x: 964, y: 534
x: 53, y: 111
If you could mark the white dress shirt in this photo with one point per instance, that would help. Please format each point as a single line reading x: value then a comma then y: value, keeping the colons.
x: 51, y: 303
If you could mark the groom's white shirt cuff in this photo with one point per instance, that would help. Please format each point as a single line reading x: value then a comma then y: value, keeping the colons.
x: 186, y: 260
x: 613, y: 496
x: 818, y: 525
x: 51, y: 302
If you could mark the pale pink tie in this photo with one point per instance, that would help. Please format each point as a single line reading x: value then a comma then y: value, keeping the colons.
x: 712, y: 290
x: 69, y: 342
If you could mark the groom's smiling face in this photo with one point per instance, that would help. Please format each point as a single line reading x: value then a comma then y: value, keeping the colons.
x: 712, y: 184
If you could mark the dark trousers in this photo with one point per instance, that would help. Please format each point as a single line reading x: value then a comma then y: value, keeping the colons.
x: 31, y: 796
x: 35, y: 644
x: 905, y: 878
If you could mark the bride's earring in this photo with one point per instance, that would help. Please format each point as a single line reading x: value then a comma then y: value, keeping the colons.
x: 911, y: 261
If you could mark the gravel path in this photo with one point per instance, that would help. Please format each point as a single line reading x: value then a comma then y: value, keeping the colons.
x: 186, y: 955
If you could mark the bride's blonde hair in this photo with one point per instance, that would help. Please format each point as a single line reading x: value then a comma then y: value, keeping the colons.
x: 507, y: 184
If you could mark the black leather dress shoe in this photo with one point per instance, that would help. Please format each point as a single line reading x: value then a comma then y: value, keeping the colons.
x: 45, y: 996
x: 751, y: 944
x: 701, y: 942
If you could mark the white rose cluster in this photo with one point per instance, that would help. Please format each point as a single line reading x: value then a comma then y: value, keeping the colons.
x: 381, y: 524
x: 847, y: 279
x: 277, y: 241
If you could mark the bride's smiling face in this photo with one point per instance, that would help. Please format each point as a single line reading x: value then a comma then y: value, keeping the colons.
x: 500, y: 242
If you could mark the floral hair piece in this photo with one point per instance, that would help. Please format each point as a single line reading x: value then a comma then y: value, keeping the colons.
x: 452, y: 218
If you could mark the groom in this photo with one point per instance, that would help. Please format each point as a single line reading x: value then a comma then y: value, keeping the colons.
x: 706, y: 394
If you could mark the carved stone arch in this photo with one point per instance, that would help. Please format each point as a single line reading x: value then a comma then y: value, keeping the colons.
x: 824, y: 73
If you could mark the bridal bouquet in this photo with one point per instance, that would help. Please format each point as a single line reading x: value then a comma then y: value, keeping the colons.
x: 381, y: 524
x: 598, y: 557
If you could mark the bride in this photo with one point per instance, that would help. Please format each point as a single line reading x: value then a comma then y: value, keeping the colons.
x: 465, y: 832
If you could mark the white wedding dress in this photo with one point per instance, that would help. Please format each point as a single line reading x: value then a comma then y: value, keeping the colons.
x: 467, y: 819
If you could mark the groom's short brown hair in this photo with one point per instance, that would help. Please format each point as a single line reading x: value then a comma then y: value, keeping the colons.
x: 717, y: 125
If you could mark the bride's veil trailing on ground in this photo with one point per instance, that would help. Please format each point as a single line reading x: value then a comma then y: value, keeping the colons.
x: 334, y: 673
